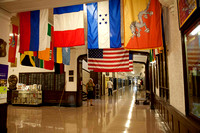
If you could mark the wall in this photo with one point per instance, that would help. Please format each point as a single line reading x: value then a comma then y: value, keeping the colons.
x: 174, y: 55
x: 75, y: 53
x: 4, y: 33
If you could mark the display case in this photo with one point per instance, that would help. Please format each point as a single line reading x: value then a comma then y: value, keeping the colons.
x: 26, y: 97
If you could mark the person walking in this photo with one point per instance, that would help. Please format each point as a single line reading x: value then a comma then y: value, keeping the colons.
x: 109, y: 85
x: 89, y: 88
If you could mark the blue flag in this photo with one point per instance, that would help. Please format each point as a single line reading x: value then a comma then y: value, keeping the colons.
x: 104, y: 24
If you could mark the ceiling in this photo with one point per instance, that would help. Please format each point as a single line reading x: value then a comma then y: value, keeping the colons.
x: 138, y: 70
x: 15, y: 6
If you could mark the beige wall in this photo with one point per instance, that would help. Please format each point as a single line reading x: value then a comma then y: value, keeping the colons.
x: 75, y: 53
x: 174, y: 55
x: 4, y: 33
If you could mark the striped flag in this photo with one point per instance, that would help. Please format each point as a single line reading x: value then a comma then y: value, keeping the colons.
x: 69, y: 26
x: 44, y: 55
x: 50, y: 64
x: 130, y: 61
x: 62, y: 55
x: 108, y: 60
x: 33, y: 30
x: 38, y: 62
x: 104, y: 24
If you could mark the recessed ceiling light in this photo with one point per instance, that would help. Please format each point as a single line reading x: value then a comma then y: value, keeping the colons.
x: 195, y: 31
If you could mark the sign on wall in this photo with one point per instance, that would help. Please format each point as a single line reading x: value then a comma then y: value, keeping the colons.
x: 3, y: 71
x: 3, y: 83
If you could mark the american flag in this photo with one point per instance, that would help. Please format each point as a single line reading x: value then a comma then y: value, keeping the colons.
x: 130, y: 61
x: 109, y: 60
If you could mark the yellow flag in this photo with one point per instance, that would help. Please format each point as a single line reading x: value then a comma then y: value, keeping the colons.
x: 142, y: 24
x: 59, y: 55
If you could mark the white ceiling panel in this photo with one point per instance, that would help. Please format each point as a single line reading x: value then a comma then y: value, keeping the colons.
x: 14, y: 6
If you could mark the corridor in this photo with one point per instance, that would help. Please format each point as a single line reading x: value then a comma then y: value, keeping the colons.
x: 115, y: 114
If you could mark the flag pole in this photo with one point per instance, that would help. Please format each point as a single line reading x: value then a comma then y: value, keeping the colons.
x: 62, y: 93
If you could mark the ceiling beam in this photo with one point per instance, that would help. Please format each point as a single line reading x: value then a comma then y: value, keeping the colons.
x: 139, y: 53
x: 139, y: 62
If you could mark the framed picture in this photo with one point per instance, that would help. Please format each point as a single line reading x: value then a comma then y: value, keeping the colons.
x: 71, y: 79
x: 71, y: 72
x: 186, y: 9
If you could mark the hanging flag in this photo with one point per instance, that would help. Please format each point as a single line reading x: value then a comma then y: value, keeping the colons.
x: 104, y: 24
x: 151, y: 55
x: 58, y: 55
x: 62, y: 55
x: 27, y: 59
x: 13, y: 44
x: 130, y: 61
x: 142, y: 24
x: 50, y: 64
x: 33, y: 30
x: 69, y: 26
x: 66, y: 56
x: 59, y: 68
x: 108, y: 60
x: 154, y: 54
x: 38, y: 62
x: 44, y: 55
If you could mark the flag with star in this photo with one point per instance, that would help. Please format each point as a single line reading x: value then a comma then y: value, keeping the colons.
x: 109, y: 60
x: 104, y: 24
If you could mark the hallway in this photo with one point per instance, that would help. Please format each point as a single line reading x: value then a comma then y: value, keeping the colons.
x: 116, y: 114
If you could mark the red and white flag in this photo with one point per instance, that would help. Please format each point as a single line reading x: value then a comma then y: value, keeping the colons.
x: 69, y: 26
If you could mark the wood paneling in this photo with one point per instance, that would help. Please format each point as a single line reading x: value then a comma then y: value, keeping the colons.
x: 176, y: 121
x: 3, y: 118
x: 54, y: 98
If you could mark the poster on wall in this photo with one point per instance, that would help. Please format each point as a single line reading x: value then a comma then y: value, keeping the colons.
x: 186, y: 9
x: 3, y: 83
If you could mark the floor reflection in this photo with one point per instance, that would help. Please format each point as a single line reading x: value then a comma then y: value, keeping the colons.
x: 113, y: 114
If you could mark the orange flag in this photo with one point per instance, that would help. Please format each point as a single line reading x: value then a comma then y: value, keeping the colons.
x: 142, y: 24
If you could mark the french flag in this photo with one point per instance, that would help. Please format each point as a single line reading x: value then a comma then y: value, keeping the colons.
x: 69, y: 26
x: 33, y: 30
x: 104, y: 24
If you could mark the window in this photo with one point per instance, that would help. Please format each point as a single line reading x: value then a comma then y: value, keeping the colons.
x: 192, y: 49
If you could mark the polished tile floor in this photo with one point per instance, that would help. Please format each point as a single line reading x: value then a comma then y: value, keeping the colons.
x: 114, y: 114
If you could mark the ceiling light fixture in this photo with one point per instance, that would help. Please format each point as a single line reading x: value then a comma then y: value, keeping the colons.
x: 195, y: 31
